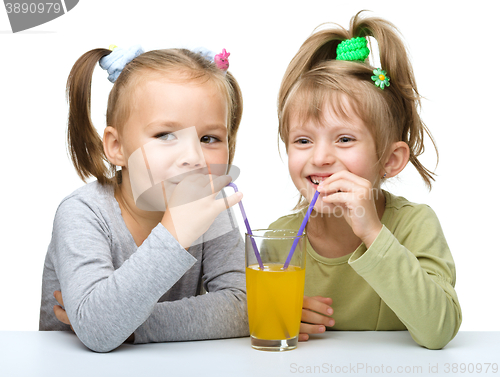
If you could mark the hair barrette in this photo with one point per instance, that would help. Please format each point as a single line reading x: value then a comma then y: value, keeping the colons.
x: 221, y: 60
x: 380, y: 78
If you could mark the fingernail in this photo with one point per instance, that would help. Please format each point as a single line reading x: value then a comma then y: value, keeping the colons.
x: 331, y: 322
x: 329, y: 311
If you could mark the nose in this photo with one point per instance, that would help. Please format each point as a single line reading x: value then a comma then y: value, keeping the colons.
x: 191, y: 156
x: 323, y: 154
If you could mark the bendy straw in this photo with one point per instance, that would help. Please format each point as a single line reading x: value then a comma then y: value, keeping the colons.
x: 301, y: 230
x: 249, y: 230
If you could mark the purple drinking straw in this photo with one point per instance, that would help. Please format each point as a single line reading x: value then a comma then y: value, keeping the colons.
x: 249, y: 231
x: 301, y: 230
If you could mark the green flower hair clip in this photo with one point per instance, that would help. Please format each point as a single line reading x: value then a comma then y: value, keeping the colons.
x: 380, y: 77
x: 353, y: 49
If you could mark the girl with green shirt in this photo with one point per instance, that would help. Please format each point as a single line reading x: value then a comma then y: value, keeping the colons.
x: 375, y: 261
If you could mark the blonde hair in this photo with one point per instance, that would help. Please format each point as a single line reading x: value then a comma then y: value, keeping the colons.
x: 85, y: 145
x: 314, y: 78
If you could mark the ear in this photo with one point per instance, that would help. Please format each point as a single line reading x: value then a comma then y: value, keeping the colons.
x: 397, y: 160
x: 113, y: 147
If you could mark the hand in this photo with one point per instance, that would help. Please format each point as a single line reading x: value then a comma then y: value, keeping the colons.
x: 315, y: 316
x: 59, y: 311
x: 192, y: 207
x: 356, y: 196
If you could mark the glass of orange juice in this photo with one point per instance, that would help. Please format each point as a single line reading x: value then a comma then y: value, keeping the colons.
x: 274, y: 294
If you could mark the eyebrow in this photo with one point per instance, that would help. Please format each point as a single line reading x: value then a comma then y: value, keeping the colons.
x: 170, y: 125
x: 337, y: 127
x: 164, y: 124
x: 215, y: 127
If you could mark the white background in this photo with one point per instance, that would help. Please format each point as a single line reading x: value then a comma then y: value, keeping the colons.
x: 455, y: 52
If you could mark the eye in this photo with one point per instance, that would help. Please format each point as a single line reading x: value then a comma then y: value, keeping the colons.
x: 207, y: 139
x: 302, y: 141
x: 345, y: 139
x: 166, y: 136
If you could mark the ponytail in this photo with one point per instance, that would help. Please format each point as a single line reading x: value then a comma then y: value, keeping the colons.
x: 84, y: 143
x: 394, y: 59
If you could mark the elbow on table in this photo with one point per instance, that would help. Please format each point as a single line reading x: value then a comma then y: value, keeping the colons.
x: 438, y: 332
x: 100, y: 346
x: 436, y: 340
x: 98, y: 341
x: 434, y: 343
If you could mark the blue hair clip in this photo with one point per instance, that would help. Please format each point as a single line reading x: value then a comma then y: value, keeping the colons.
x: 118, y: 59
x: 205, y: 52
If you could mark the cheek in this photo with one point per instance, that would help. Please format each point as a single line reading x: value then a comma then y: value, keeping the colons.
x: 358, y: 162
x: 216, y: 156
x: 161, y: 163
x: 295, y: 164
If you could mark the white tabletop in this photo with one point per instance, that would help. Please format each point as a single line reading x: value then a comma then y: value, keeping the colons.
x: 33, y: 354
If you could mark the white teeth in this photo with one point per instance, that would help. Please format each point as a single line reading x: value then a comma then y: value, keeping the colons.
x: 317, y: 180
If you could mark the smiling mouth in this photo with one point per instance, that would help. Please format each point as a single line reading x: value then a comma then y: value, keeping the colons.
x: 316, y: 179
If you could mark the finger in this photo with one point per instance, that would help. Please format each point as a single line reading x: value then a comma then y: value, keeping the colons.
x: 61, y: 315
x: 306, y: 328
x: 229, y: 201
x: 218, y: 183
x: 345, y: 198
x: 58, y: 297
x: 345, y: 174
x: 303, y: 337
x: 349, y: 201
x: 325, y: 300
x: 316, y: 318
x: 334, y: 184
x: 342, y: 185
x: 317, y: 306
x: 343, y: 180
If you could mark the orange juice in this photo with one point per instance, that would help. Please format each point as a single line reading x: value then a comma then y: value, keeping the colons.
x: 274, y: 298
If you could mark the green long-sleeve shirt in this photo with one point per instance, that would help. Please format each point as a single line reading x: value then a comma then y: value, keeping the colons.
x: 405, y: 280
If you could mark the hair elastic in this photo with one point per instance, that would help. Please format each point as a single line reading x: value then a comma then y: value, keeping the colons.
x: 354, y: 49
x: 118, y: 59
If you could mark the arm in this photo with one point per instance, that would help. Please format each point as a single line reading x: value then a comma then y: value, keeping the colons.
x: 105, y: 305
x: 221, y: 313
x: 416, y: 280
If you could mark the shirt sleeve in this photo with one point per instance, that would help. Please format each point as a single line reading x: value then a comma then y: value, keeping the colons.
x: 105, y: 305
x: 415, y: 276
x: 220, y: 313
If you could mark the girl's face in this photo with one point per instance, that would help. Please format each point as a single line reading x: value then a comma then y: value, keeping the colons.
x: 316, y: 151
x: 173, y: 128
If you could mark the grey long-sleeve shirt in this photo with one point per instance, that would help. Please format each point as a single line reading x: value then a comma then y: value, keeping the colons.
x: 111, y: 288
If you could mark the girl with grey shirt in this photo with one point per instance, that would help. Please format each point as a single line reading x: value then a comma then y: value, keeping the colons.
x: 128, y: 269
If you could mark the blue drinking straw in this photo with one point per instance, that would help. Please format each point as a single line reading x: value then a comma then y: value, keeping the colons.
x: 247, y: 225
x: 301, y: 230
